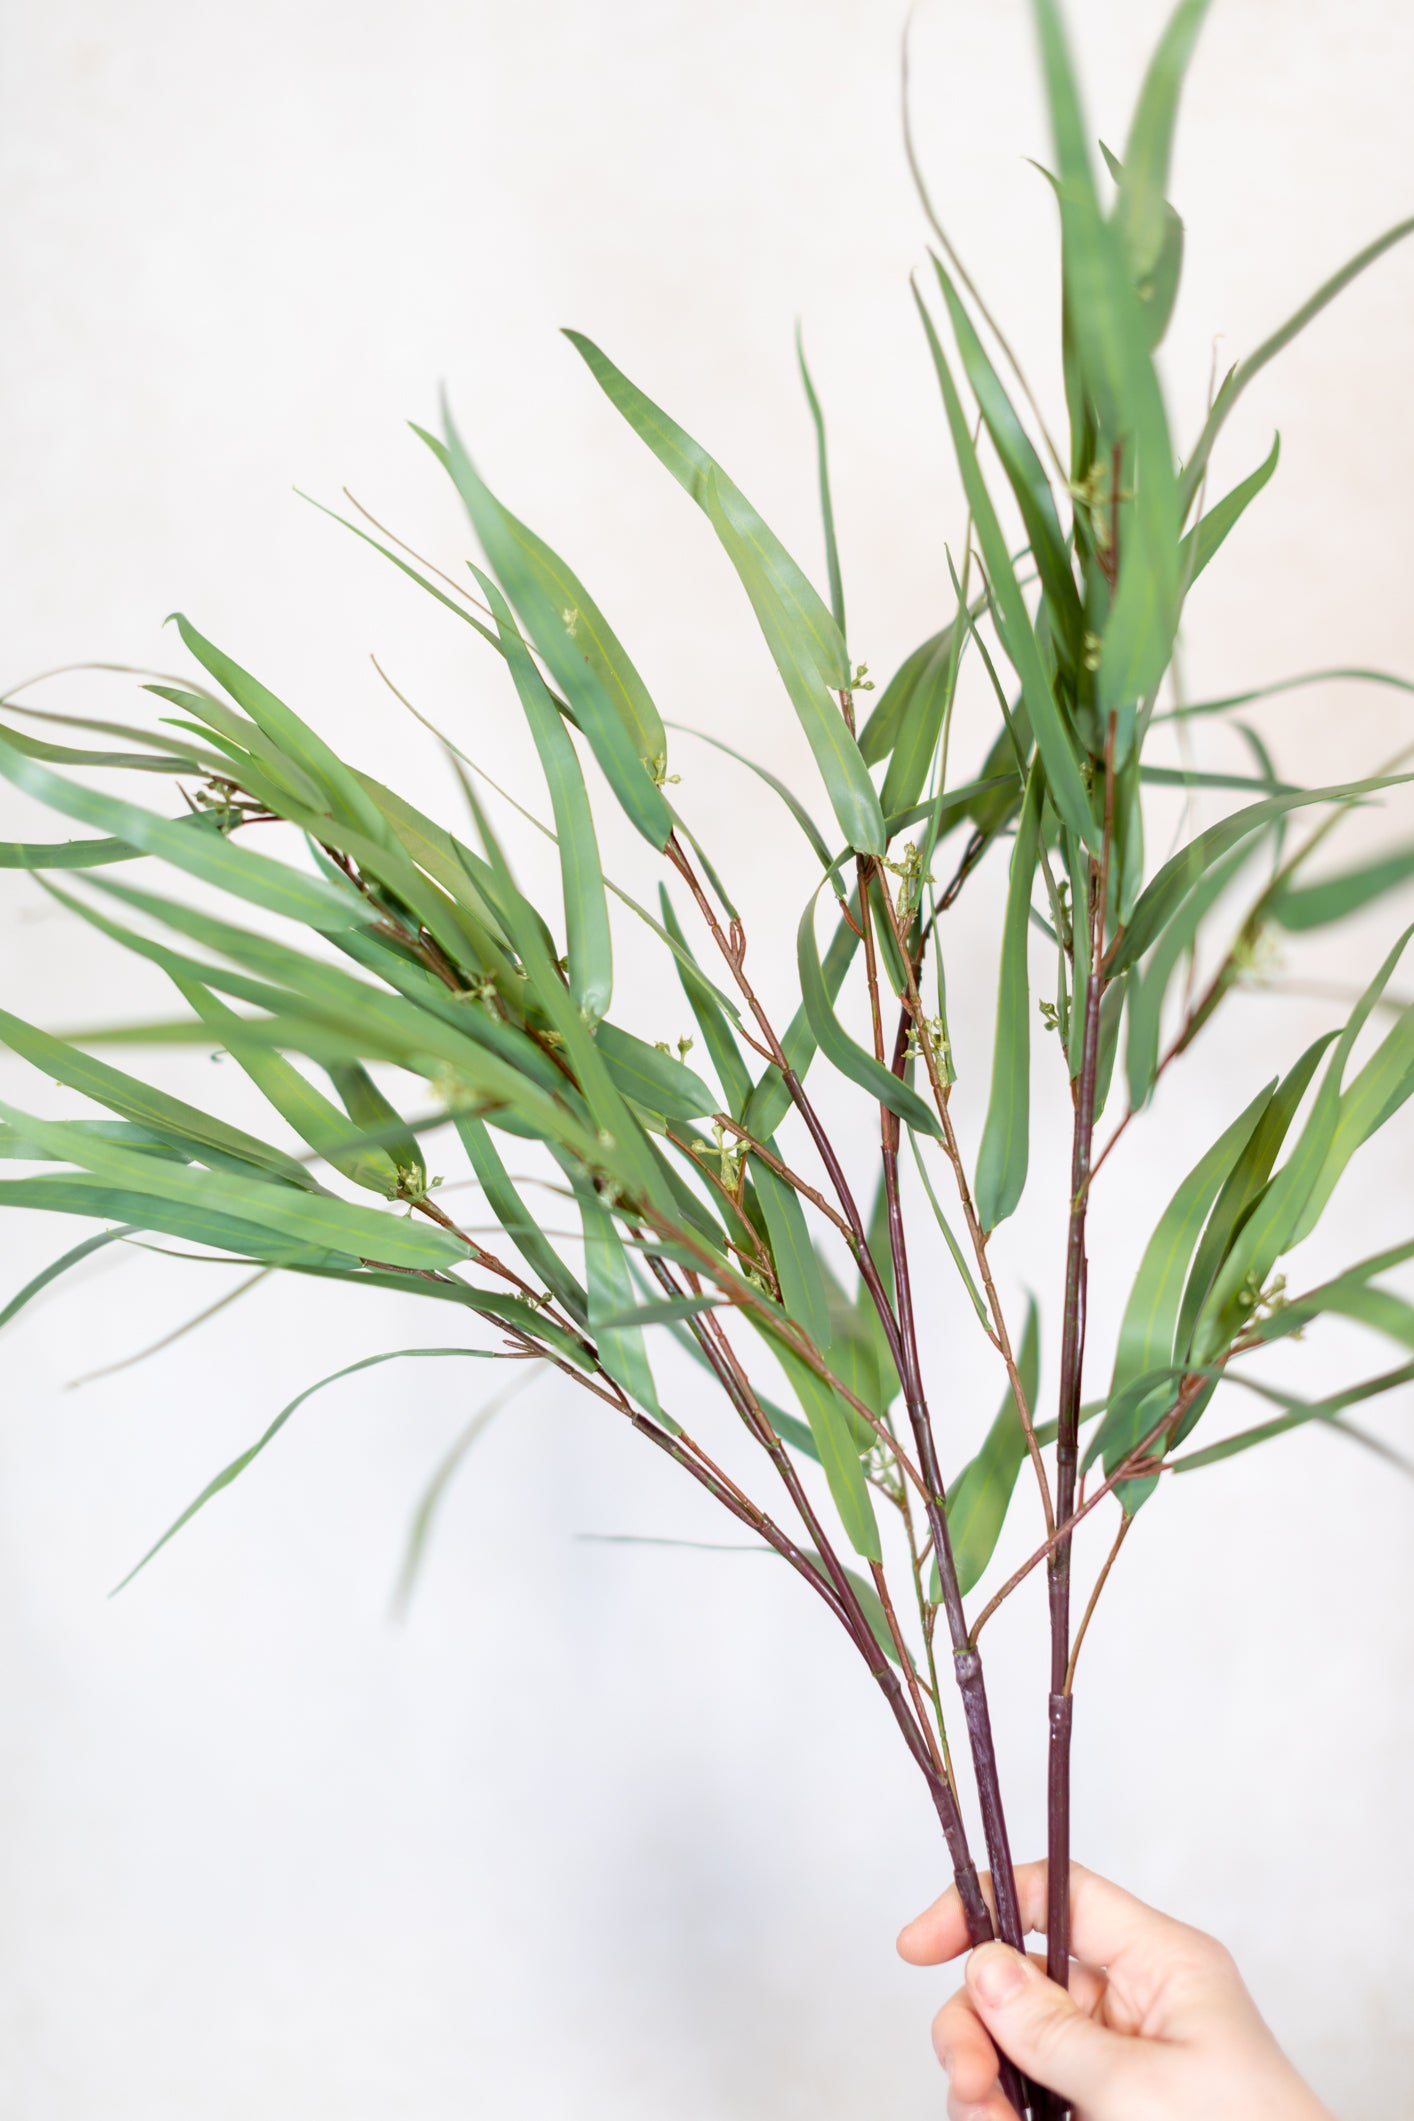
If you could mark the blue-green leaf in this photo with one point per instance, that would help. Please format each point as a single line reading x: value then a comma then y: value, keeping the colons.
x: 840, y: 1049
x: 1026, y: 476
x: 621, y: 1349
x: 827, y: 511
x: 839, y: 1455
x: 1149, y: 1327
x: 610, y: 700
x: 979, y: 1498
x: 1207, y: 535
x: 1335, y: 898
x: 1013, y: 620
x: 1004, y: 1153
x: 238, y: 1465
x: 590, y: 950
x: 794, y: 650
x: 210, y: 856
x: 1167, y: 890
x: 1143, y: 183
x: 1111, y: 339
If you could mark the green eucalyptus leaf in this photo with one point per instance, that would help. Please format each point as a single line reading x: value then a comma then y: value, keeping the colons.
x: 213, y: 858
x: 1299, y: 907
x: 169, y: 1118
x: 1299, y: 1412
x: 590, y: 951
x: 1171, y: 885
x: 1237, y: 378
x: 317, y: 1221
x: 923, y: 717
x: 1244, y: 1186
x: 621, y: 1349
x: 827, y: 510
x: 1004, y: 1153
x: 135, y: 1207
x: 1276, y: 1220
x: 814, y: 632
x: 40, y: 1281
x: 1027, y: 478
x: 1149, y: 1327
x: 1203, y: 541
x: 1013, y: 621
x: 610, y: 701
x: 298, y: 1103
x: 64, y: 854
x: 980, y: 1496
x: 516, y: 1219
x: 1112, y: 346
x: 840, y: 1049
x: 803, y: 1292
x: 321, y: 766
x: 653, y: 1078
x: 233, y: 1471
x: 1141, y: 208
x: 793, y: 641
x: 838, y: 1449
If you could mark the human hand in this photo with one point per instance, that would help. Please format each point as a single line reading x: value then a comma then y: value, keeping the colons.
x: 1157, y: 2025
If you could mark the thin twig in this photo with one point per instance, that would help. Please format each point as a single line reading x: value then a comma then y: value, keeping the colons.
x: 1100, y: 1581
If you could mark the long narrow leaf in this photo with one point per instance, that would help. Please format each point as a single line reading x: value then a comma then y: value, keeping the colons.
x: 582, y: 878
x: 1004, y: 1153
x: 238, y: 1465
x: 1014, y: 623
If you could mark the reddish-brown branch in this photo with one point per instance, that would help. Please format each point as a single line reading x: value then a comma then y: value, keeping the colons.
x: 1094, y: 1599
x: 1068, y: 1410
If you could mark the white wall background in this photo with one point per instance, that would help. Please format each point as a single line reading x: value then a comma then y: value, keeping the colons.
x: 603, y: 1829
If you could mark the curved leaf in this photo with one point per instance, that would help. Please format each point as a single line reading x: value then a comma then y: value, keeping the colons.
x: 839, y: 1455
x: 1140, y: 207
x: 1207, y: 535
x: 238, y: 1465
x: 1026, y: 476
x: 1167, y: 890
x: 1150, y: 1323
x: 590, y: 950
x: 827, y: 511
x: 1335, y: 898
x: 1237, y: 379
x: 211, y: 856
x: 168, y: 1117
x: 610, y: 701
x: 56, y: 1267
x: 793, y: 643
x: 980, y: 1496
x: 695, y: 471
x: 621, y: 1350
x: 837, y: 1045
x: 651, y: 1078
x: 1111, y: 342
x: 315, y: 1220
x: 1012, y: 619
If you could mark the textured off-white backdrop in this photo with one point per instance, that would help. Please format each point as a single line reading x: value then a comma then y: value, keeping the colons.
x: 612, y: 1829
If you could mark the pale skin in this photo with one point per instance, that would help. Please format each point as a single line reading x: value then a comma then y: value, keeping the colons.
x: 1157, y: 2025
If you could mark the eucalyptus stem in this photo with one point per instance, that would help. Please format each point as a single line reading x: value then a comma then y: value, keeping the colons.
x: 967, y: 1664
x: 1060, y: 1708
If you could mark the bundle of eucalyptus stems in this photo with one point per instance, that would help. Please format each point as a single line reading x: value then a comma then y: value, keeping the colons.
x: 384, y: 975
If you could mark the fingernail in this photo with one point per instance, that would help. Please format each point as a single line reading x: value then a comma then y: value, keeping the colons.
x: 996, y: 1972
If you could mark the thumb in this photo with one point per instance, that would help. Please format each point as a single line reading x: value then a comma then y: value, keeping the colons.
x: 1042, y: 2030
